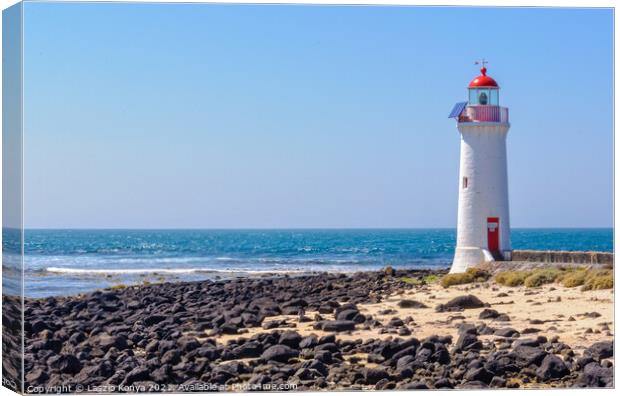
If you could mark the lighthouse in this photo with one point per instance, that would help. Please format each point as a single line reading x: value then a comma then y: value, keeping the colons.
x: 483, y: 227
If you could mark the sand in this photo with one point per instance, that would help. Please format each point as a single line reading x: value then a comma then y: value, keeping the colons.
x: 554, y: 304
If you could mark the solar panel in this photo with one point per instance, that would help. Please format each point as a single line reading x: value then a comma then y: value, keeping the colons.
x: 457, y: 109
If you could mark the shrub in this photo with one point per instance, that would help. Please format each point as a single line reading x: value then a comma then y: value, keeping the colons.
x: 598, y: 280
x: 511, y: 278
x: 470, y: 276
x: 425, y: 280
x: 541, y: 277
x: 574, y: 278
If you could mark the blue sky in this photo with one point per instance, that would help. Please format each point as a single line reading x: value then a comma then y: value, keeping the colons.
x: 217, y: 116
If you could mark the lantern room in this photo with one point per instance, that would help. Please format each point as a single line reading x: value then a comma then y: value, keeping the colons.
x: 483, y: 90
x: 482, y: 102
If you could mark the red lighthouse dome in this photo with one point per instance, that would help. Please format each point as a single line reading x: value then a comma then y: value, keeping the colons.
x: 483, y: 80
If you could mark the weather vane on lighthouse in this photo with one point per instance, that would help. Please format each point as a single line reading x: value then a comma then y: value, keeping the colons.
x: 483, y: 227
x: 482, y: 62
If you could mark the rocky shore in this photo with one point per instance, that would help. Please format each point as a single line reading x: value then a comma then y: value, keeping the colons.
x: 314, y: 332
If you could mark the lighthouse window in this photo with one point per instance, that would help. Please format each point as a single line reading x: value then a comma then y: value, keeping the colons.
x: 465, y: 182
x: 483, y: 98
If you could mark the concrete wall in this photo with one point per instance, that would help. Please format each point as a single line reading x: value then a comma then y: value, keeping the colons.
x: 541, y: 256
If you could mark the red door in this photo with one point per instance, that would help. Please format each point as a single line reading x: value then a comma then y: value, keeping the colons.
x: 493, y: 233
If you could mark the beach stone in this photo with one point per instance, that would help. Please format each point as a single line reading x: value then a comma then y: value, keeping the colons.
x: 309, y: 342
x: 552, y: 367
x: 443, y: 383
x: 467, y: 342
x: 403, y: 331
x: 137, y: 374
x: 374, y: 375
x: 527, y: 355
x: 172, y: 356
x: 468, y: 328
x: 153, y: 319
x: 498, y: 382
x: 473, y: 385
x: 583, y: 361
x: 488, y: 314
x: 347, y: 314
x: 411, y: 304
x: 290, y: 338
x: 279, y: 353
x: 67, y: 364
x: 460, y: 303
x: 479, y: 374
x: 526, y: 341
x: 594, y: 375
x: 338, y: 325
x: 37, y: 376
x: 506, y: 332
x: 415, y: 385
x: 601, y: 350
x: 108, y: 341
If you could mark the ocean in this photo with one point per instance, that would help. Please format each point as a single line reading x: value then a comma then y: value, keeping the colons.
x: 66, y: 262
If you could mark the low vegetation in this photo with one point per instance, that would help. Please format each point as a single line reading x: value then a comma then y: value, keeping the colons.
x: 542, y: 277
x: 574, y: 278
x: 598, y: 280
x: 425, y: 280
x: 511, y: 278
x: 589, y: 279
x: 470, y: 276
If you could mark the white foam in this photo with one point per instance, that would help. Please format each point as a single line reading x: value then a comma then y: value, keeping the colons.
x: 122, y: 271
x: 134, y: 271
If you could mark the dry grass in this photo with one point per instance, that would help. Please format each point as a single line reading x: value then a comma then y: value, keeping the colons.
x: 574, y: 278
x: 589, y: 279
x: 511, y: 278
x: 598, y: 280
x: 542, y: 277
x: 470, y: 276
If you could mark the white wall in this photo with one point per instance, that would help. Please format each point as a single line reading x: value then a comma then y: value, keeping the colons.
x: 483, y: 162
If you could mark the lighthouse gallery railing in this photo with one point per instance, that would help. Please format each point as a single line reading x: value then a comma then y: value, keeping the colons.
x: 483, y: 113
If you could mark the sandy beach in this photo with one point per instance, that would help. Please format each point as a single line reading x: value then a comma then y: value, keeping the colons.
x: 578, y: 318
x: 367, y: 330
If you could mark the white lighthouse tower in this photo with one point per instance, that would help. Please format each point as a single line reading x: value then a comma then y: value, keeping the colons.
x: 483, y: 229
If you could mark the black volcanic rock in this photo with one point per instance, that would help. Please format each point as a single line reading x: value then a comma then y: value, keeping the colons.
x: 279, y: 353
x: 338, y: 325
x: 460, y: 303
x: 551, y: 367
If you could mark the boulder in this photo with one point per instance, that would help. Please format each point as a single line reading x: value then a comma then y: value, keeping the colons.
x: 526, y: 355
x: 552, y: 367
x: 411, y: 304
x: 488, y: 314
x: 601, y: 350
x: 467, y: 342
x: 279, y: 353
x: 338, y: 325
x: 460, y: 303
x: 374, y: 375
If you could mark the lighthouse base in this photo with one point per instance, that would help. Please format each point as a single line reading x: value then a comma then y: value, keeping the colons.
x: 466, y: 257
